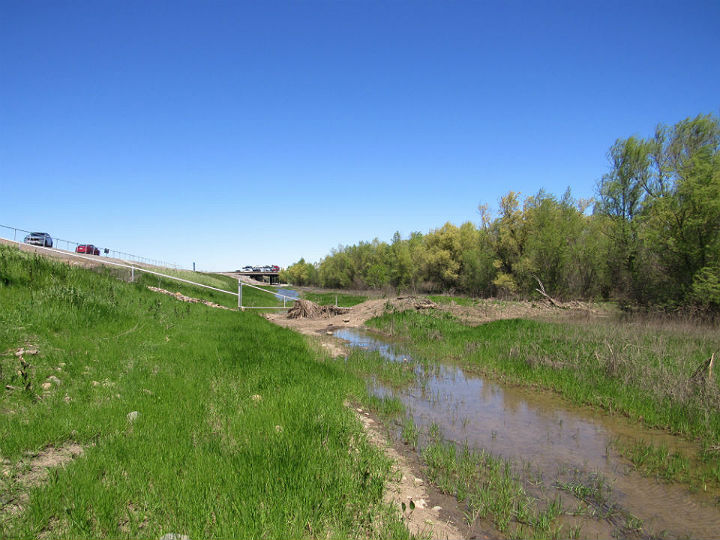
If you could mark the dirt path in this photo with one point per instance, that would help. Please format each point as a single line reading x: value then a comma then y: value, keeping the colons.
x: 421, y: 514
x: 356, y: 316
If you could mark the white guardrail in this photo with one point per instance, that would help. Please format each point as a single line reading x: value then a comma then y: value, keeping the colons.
x: 133, y: 268
x: 71, y: 246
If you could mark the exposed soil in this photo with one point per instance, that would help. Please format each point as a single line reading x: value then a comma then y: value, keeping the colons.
x: 16, y: 479
x: 492, y: 310
x: 190, y: 299
x: 353, y: 317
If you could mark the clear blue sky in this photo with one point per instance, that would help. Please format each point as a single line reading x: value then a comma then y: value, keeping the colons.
x: 234, y: 133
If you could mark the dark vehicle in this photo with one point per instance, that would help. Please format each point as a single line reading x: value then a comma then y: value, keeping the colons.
x: 87, y: 248
x: 39, y: 239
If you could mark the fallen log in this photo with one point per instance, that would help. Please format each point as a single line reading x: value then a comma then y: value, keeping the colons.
x: 541, y: 290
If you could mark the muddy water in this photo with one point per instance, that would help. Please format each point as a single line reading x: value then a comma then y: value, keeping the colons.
x: 549, y: 435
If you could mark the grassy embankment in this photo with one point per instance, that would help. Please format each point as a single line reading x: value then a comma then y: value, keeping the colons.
x: 241, y: 432
x: 636, y: 369
x: 251, y: 296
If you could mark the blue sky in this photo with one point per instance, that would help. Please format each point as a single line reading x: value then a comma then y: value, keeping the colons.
x: 234, y: 133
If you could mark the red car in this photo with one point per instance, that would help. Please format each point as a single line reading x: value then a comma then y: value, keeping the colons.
x: 87, y: 248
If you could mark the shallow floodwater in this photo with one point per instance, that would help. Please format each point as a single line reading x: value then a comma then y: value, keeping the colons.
x: 290, y: 293
x: 559, y: 440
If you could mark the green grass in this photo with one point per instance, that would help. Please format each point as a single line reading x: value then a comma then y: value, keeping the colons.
x: 459, y: 300
x: 204, y: 458
x: 596, y: 496
x: 700, y: 471
x: 251, y: 297
x: 410, y: 433
x: 328, y: 299
x: 213, y: 280
x: 642, y: 372
x: 491, y: 490
x: 386, y: 407
x: 658, y: 461
x: 371, y: 364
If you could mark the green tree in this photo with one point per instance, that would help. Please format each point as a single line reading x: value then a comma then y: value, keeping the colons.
x: 621, y: 193
x: 682, y: 224
x: 300, y: 273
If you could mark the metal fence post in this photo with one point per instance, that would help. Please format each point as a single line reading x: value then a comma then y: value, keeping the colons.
x: 239, y: 294
x: 132, y: 274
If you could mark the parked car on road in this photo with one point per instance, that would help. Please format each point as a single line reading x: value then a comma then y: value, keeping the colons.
x: 39, y: 239
x: 87, y: 248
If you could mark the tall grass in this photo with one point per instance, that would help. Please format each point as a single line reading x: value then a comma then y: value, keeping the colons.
x: 241, y: 431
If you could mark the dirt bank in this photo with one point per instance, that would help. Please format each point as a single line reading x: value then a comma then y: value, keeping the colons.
x: 356, y: 316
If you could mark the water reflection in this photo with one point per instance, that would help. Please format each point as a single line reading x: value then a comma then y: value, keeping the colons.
x: 290, y: 293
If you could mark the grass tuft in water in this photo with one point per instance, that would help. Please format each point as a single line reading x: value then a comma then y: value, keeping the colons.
x: 491, y: 491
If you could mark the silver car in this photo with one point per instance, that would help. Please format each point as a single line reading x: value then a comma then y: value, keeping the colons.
x: 39, y: 239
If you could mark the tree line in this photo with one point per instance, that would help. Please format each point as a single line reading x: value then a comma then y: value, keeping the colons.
x: 651, y: 235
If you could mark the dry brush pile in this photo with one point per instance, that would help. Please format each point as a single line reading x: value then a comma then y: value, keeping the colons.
x: 305, y: 309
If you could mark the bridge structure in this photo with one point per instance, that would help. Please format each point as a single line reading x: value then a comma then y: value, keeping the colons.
x: 260, y: 275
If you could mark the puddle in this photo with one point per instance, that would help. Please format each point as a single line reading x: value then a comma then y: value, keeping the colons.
x: 553, y: 436
x: 286, y: 292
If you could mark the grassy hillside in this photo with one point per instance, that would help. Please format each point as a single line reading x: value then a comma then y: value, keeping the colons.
x: 240, y: 431
x: 251, y: 296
